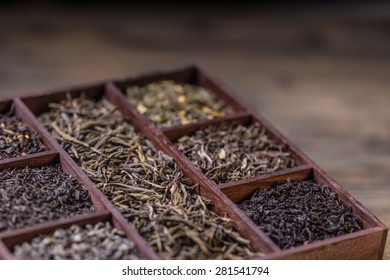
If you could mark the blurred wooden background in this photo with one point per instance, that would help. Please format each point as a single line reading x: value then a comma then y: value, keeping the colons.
x: 319, y: 73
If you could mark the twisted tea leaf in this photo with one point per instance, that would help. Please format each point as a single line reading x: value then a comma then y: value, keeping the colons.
x: 145, y: 185
x: 16, y: 139
x: 35, y: 195
x: 296, y: 213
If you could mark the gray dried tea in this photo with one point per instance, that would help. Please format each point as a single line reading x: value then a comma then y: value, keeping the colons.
x: 231, y: 151
x: 92, y: 242
x: 146, y: 185
x: 169, y: 103
x: 16, y: 139
x: 30, y: 196
x: 296, y: 213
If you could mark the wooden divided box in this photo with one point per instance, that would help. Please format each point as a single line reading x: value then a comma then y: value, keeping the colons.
x: 223, y: 194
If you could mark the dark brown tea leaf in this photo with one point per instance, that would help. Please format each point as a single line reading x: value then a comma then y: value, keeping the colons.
x: 16, y: 139
x: 296, y: 213
x: 146, y: 185
x: 35, y: 195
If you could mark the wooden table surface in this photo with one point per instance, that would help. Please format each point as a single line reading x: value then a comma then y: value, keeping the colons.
x: 320, y: 74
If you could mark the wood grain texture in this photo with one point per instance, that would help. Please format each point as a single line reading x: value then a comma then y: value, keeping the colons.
x: 14, y: 237
x: 319, y: 74
x: 366, y: 244
x: 32, y: 160
x: 241, y: 190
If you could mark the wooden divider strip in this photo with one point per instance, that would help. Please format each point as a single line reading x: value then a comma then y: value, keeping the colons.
x: 32, y: 160
x: 207, y: 188
x: 101, y: 201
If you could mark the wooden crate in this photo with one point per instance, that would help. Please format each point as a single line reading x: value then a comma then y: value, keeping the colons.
x: 368, y: 243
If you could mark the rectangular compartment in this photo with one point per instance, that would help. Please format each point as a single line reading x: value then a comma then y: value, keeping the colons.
x: 370, y: 238
x: 192, y: 75
x: 17, y: 130
x: 266, y: 149
x: 49, y: 160
x: 26, y: 235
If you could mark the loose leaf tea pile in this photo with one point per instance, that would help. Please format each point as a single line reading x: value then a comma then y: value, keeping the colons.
x: 231, y: 151
x: 296, y: 213
x: 169, y: 103
x: 35, y: 195
x: 145, y: 185
x: 94, y: 242
x: 16, y: 139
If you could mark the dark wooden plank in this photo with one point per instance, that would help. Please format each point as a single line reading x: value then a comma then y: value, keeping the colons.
x: 4, y: 252
x: 38, y: 102
x: 11, y: 238
x: 24, y: 114
x: 24, y: 111
x: 175, y: 132
x: 32, y: 160
x: 5, y: 105
x: 186, y: 74
x: 363, y: 245
x: 240, y: 190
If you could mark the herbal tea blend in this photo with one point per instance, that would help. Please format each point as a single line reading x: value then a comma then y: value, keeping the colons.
x: 169, y: 103
x: 92, y: 242
x: 16, y: 139
x: 231, y: 151
x: 145, y: 185
x: 296, y: 213
x: 30, y: 196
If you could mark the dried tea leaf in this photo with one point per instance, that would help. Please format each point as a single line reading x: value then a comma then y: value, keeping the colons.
x: 169, y: 103
x: 296, y: 213
x: 94, y: 242
x: 168, y: 209
x: 222, y: 154
x: 231, y: 151
x: 16, y: 139
x: 141, y: 108
x: 30, y: 196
